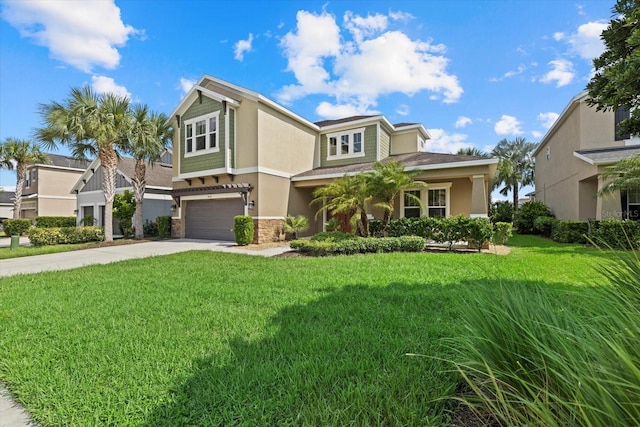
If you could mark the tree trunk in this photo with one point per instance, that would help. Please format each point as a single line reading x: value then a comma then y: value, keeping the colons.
x: 109, y: 161
x: 139, y: 185
x: 21, y: 172
x: 386, y: 217
x: 515, y: 199
x: 364, y: 224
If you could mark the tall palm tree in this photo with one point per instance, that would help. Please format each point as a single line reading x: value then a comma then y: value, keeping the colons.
x: 515, y: 167
x: 348, y: 195
x: 94, y: 124
x: 473, y: 151
x: 22, y: 153
x: 149, y: 135
x: 624, y: 175
x: 388, y: 180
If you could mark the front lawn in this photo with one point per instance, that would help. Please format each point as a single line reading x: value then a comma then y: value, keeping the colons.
x: 205, y: 338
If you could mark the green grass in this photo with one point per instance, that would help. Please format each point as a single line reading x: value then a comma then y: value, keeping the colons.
x: 205, y: 338
x: 22, y: 251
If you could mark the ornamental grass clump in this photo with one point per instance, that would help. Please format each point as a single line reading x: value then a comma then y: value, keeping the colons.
x: 532, y: 357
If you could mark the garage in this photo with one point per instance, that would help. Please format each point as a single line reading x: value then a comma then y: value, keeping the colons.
x: 212, y: 219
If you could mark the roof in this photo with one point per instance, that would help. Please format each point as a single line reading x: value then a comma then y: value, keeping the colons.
x: 605, y: 156
x: 324, y: 123
x: 157, y: 174
x: 419, y: 160
x: 7, y: 196
x: 60, y: 161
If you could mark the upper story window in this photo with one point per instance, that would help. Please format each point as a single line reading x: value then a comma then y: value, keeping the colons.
x: 621, y: 114
x: 346, y: 144
x: 201, y: 135
x: 27, y: 179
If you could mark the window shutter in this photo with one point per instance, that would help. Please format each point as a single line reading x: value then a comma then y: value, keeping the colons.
x: 622, y: 113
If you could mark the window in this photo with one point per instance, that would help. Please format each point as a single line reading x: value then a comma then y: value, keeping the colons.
x: 351, y: 144
x: 412, y: 204
x: 423, y: 144
x: 548, y: 153
x: 201, y: 135
x: 437, y: 203
x: 633, y: 204
x: 27, y: 179
x: 620, y: 115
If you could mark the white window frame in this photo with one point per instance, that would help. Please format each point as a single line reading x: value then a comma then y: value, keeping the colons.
x: 424, y: 197
x: 339, y: 137
x: 27, y: 179
x: 192, y: 122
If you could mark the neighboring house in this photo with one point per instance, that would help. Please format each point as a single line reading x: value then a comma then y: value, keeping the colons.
x: 47, y: 186
x: 240, y: 153
x: 157, y: 197
x: 6, y: 204
x: 571, y: 157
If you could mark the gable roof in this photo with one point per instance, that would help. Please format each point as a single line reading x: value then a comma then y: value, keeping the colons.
x: 67, y: 162
x: 411, y: 161
x: 607, y: 156
x: 7, y: 197
x: 324, y: 123
x: 158, y: 175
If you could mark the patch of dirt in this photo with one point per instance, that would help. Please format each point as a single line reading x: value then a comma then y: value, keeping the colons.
x: 261, y: 246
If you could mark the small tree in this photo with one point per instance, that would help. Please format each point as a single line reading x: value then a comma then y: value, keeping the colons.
x: 295, y: 224
x: 124, y: 207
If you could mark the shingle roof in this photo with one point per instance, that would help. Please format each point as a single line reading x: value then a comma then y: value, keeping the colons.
x: 609, y: 155
x: 6, y: 196
x: 66, y: 161
x: 340, y: 121
x: 157, y: 175
x: 409, y: 160
x: 401, y: 125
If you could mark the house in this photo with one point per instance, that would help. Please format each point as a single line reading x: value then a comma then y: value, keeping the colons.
x: 239, y: 153
x: 47, y: 186
x: 571, y: 157
x: 6, y: 204
x: 157, y: 197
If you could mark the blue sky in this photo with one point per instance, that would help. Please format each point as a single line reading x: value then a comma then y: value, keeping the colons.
x: 471, y: 71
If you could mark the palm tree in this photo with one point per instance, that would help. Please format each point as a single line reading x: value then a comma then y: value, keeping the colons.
x: 149, y: 135
x: 624, y: 175
x: 295, y: 224
x: 387, y: 182
x: 22, y: 153
x: 473, y: 151
x: 89, y: 123
x: 348, y: 195
x: 515, y: 167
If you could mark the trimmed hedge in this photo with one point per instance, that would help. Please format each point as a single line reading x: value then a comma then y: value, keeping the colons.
x: 617, y: 234
x: 243, y: 229
x: 55, y: 221
x: 527, y: 214
x: 359, y: 245
x: 65, y: 235
x: 544, y: 225
x: 570, y: 231
x: 164, y: 226
x: 16, y: 227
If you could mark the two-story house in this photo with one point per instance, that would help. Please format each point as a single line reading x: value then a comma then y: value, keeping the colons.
x: 47, y: 187
x: 571, y: 157
x: 236, y: 152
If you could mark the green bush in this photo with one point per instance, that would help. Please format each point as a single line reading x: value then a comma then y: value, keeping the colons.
x: 16, y: 227
x: 501, y: 211
x: 617, y: 234
x: 503, y: 231
x: 332, y: 236
x: 527, y: 214
x: 243, y: 229
x: 55, y: 221
x: 150, y: 229
x: 124, y: 206
x: 356, y: 245
x: 543, y: 225
x: 452, y: 230
x: 164, y: 226
x: 65, y: 235
x: 570, y: 231
x: 479, y: 231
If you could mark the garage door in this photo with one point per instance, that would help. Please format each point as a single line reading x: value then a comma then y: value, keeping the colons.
x: 212, y: 219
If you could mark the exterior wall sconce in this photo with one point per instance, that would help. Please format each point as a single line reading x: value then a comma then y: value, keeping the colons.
x: 252, y: 204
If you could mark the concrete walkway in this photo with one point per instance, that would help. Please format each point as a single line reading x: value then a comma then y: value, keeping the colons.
x: 11, y: 414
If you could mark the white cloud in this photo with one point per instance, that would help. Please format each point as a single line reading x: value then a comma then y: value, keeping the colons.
x: 375, y: 61
x: 509, y: 74
x: 335, y: 111
x: 463, y: 121
x: 562, y: 73
x: 537, y: 134
x: 242, y: 46
x: 84, y: 34
x: 559, y: 36
x: 8, y: 188
x: 586, y: 41
x: 403, y: 110
x: 103, y: 84
x: 443, y: 142
x: 508, y: 125
x: 186, y: 84
x: 547, y: 119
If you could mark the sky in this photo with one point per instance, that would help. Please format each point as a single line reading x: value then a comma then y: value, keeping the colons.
x: 473, y: 72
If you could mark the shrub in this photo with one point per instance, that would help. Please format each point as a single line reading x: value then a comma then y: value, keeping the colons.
x: 501, y: 211
x: 334, y: 225
x: 124, y: 206
x: 617, y: 233
x: 65, y: 235
x: 570, y: 231
x: 332, y: 236
x: 55, y: 221
x: 355, y: 245
x: 150, y: 229
x: 164, y: 226
x: 479, y: 231
x: 452, y: 230
x: 543, y: 225
x: 375, y: 227
x: 527, y: 213
x: 243, y: 229
x: 16, y: 227
x: 503, y: 231
x: 296, y: 224
x: 88, y: 220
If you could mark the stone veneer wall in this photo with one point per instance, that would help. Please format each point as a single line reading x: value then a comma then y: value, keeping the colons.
x: 176, y: 227
x: 267, y: 230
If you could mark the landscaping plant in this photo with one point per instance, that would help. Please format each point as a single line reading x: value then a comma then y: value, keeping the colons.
x: 296, y: 224
x: 243, y: 229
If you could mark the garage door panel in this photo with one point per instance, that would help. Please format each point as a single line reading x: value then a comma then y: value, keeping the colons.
x: 212, y: 219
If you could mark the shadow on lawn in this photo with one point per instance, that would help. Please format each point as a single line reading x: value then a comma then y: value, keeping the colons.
x: 339, y: 359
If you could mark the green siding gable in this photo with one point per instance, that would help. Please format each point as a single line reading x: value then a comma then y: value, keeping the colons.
x: 370, y: 149
x: 385, y: 144
x: 210, y: 160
